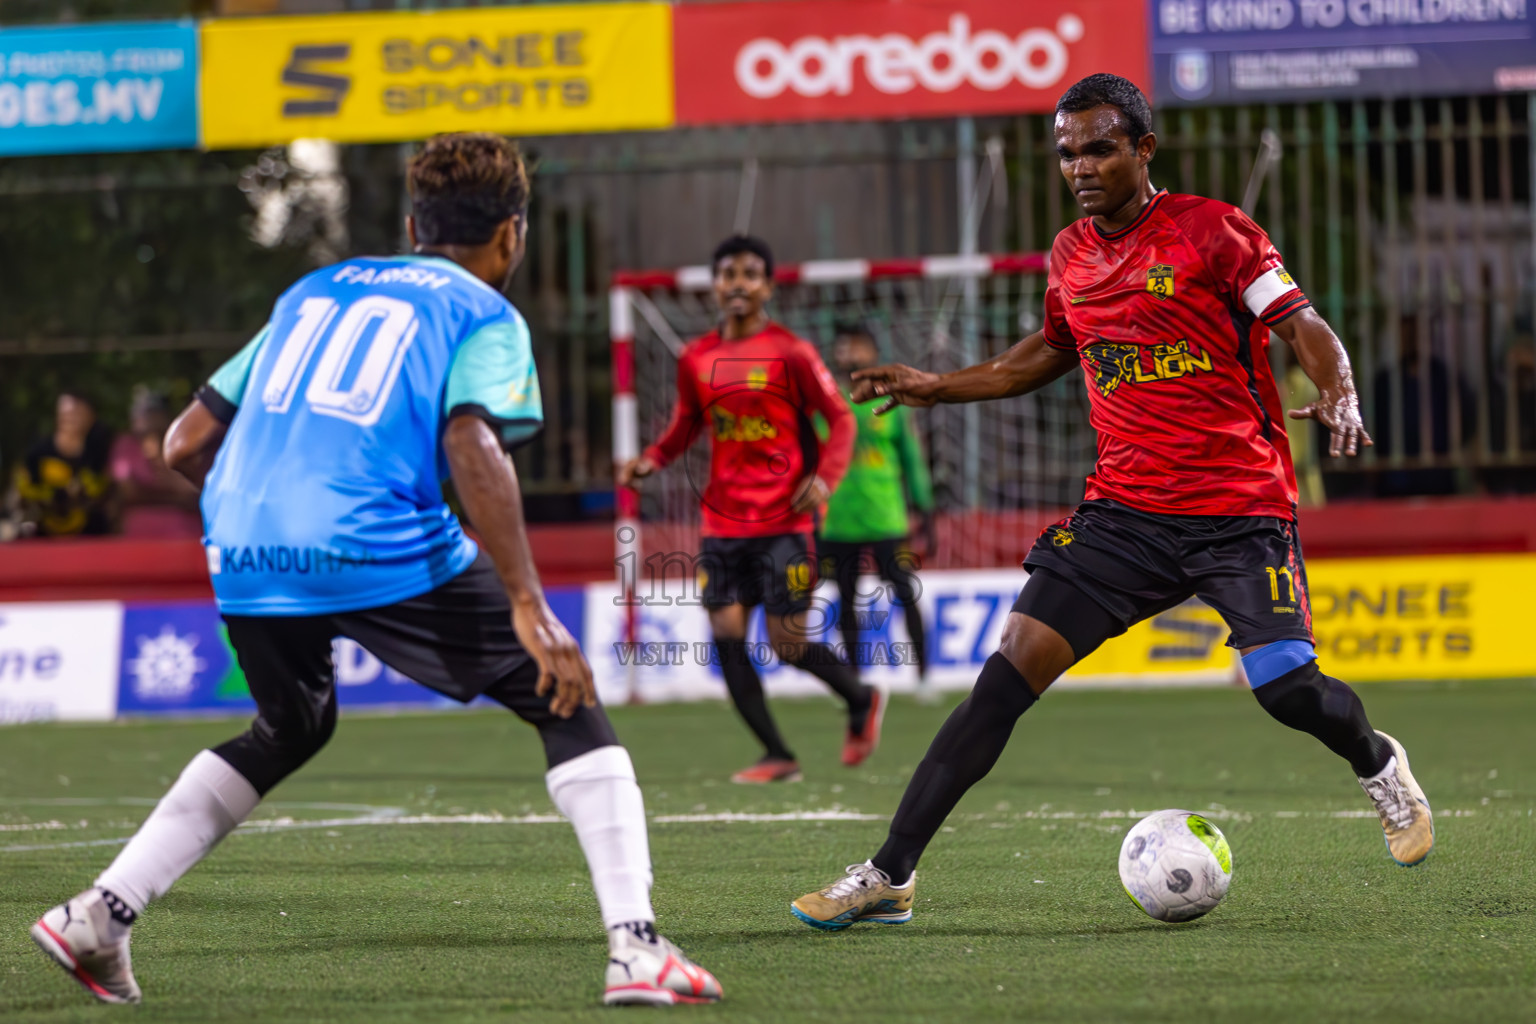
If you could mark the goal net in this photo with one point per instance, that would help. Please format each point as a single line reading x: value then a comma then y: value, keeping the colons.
x: 1000, y: 470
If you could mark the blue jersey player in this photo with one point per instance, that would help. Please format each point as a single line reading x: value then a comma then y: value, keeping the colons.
x: 321, y: 448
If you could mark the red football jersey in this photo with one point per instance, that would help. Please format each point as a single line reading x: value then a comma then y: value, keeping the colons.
x: 756, y: 396
x: 1170, y: 317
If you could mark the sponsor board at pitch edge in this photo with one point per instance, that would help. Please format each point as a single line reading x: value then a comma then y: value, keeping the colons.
x: 1434, y: 617
x: 177, y: 659
x: 847, y: 59
x: 98, y: 88
x: 964, y: 612
x: 401, y: 75
x: 59, y: 661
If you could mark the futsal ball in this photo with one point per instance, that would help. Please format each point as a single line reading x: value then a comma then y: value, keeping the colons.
x: 1175, y: 865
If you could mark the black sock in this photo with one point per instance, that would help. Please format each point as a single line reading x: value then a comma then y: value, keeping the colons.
x: 900, y: 570
x: 821, y: 661
x: 121, y: 912
x: 645, y: 931
x: 914, y: 616
x: 1311, y: 702
x: 746, y: 690
x: 848, y: 624
x: 962, y: 753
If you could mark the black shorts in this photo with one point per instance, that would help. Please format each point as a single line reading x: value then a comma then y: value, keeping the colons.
x: 777, y: 572
x: 456, y: 639
x: 1135, y: 564
x: 892, y: 560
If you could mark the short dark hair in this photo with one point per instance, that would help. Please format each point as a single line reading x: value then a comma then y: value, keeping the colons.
x: 738, y: 244
x: 1103, y: 90
x: 464, y: 185
x: 79, y: 394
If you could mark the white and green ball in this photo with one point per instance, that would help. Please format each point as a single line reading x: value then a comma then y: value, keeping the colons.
x: 1175, y: 865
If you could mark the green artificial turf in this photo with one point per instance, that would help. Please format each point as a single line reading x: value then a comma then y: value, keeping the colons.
x: 1020, y: 914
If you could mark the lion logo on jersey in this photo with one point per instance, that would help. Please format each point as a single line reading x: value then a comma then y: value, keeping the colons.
x: 1113, y: 365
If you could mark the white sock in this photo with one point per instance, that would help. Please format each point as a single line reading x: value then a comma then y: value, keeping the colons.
x: 598, y: 793
x: 206, y: 803
x: 1385, y: 772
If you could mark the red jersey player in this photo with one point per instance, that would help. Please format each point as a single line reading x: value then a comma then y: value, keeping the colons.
x: 754, y: 384
x: 1167, y: 302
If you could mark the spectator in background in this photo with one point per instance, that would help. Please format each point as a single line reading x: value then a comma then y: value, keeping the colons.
x: 1421, y: 420
x: 1511, y: 411
x: 62, y: 486
x: 155, y: 502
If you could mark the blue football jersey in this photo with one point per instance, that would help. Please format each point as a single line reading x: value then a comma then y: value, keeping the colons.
x: 326, y: 494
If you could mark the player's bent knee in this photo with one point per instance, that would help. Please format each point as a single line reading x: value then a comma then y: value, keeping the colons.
x: 1001, y: 690
x: 267, y: 754
x: 1275, y: 661
x: 1073, y: 619
x: 567, y: 739
x: 1299, y: 694
x: 1035, y: 650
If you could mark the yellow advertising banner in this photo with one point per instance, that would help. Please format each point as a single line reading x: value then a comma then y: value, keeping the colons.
x: 1186, y: 644
x: 391, y: 77
x: 1435, y: 617
x: 1375, y: 619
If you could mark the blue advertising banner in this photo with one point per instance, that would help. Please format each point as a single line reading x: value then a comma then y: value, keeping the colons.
x: 177, y: 659
x: 98, y: 88
x: 1241, y: 51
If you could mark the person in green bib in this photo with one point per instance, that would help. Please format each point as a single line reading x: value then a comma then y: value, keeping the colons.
x: 866, y: 528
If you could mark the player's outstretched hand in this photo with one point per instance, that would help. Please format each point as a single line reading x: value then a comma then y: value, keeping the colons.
x: 563, y: 669
x: 635, y: 469
x: 812, y: 493
x: 1340, y: 413
x: 903, y: 385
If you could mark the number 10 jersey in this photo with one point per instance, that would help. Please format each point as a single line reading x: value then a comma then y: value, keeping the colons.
x: 326, y: 495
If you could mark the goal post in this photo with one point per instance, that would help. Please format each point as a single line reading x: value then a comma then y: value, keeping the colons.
x: 1000, y: 472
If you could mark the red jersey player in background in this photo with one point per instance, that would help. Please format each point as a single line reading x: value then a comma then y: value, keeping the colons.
x: 1167, y: 302
x: 754, y: 384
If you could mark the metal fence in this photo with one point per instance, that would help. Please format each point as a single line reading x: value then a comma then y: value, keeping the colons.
x: 1409, y: 223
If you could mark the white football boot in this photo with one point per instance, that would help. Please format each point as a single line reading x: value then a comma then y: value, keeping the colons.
x: 82, y: 938
x: 1407, y: 823
x: 655, y: 973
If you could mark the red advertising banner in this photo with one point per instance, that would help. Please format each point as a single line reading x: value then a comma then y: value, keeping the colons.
x: 851, y: 59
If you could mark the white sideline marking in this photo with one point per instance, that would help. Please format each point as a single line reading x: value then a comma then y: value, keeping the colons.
x: 150, y: 801
x: 397, y: 816
x: 64, y: 846
x: 36, y: 826
x: 279, y: 824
